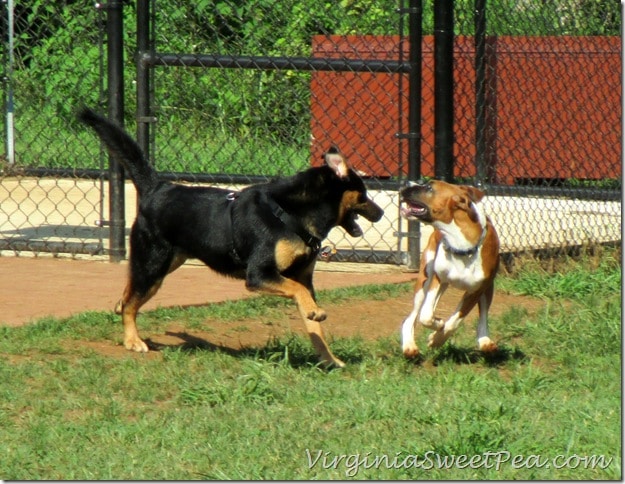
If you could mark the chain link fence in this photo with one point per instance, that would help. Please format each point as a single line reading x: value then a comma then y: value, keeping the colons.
x: 235, y: 92
x: 51, y: 174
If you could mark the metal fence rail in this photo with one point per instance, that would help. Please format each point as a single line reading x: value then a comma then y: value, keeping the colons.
x: 520, y: 97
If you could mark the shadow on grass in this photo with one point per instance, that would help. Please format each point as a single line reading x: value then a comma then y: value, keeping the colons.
x: 470, y: 356
x: 295, y: 350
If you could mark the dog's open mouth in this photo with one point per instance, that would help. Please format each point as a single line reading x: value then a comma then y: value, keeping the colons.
x: 414, y: 210
x: 350, y: 225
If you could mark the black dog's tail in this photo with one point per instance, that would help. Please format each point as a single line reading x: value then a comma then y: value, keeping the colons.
x: 123, y: 148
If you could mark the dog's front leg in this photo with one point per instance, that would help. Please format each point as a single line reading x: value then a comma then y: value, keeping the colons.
x: 312, y: 316
x: 468, y: 302
x: 325, y: 355
x: 408, y: 342
x: 428, y: 290
x: 310, y: 312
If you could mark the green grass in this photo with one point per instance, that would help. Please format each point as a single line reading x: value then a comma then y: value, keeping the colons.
x: 547, y: 406
x: 570, y: 279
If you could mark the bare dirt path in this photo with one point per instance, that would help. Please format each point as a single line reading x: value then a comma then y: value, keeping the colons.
x: 31, y: 288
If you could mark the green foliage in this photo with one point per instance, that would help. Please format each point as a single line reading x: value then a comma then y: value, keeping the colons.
x: 58, y: 47
x: 534, y: 17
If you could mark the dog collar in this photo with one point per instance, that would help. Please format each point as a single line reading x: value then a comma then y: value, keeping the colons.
x: 461, y: 253
x: 293, y: 224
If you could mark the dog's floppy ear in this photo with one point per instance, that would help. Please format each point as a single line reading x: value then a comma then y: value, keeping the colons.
x: 335, y: 160
x: 463, y: 202
x: 475, y: 194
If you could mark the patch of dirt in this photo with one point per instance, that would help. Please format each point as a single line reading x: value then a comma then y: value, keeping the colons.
x: 36, y: 287
x: 369, y: 320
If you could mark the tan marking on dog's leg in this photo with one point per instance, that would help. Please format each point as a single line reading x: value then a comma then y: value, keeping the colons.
x: 119, y: 307
x: 311, y: 314
x: 176, y: 262
x: 468, y: 302
x: 130, y: 305
x: 326, y: 357
x: 303, y: 298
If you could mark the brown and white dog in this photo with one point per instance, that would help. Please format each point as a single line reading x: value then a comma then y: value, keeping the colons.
x: 463, y: 251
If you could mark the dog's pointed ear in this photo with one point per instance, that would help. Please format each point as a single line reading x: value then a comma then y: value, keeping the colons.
x: 335, y: 160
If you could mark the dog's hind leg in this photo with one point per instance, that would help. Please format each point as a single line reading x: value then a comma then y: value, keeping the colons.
x: 130, y: 304
x: 178, y: 260
x: 484, y: 342
x: 149, y: 264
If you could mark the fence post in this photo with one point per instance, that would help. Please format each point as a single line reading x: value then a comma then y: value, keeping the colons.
x: 622, y: 84
x: 115, y: 60
x: 8, y: 79
x: 444, y: 89
x: 480, y: 91
x: 414, y: 121
x: 485, y: 99
x: 144, y: 118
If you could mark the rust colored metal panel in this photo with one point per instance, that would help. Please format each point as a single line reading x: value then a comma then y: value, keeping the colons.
x: 554, y: 107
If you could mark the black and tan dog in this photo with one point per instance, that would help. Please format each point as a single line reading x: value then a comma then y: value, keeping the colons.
x: 268, y: 234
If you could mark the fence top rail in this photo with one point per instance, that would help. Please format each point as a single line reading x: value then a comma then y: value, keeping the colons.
x: 148, y: 59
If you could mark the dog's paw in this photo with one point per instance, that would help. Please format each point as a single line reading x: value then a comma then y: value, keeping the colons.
x: 434, y: 323
x: 135, y: 344
x: 487, y: 345
x: 317, y: 314
x: 411, y: 352
x: 437, y: 339
x: 331, y: 364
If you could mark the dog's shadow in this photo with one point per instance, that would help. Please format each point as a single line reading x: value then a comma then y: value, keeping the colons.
x: 471, y: 356
x: 275, y: 350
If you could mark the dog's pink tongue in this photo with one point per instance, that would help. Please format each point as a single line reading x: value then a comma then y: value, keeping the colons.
x: 412, y: 210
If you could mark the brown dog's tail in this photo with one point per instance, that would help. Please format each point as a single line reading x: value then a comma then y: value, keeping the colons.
x: 123, y: 148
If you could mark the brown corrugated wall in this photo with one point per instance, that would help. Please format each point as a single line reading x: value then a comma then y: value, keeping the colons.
x: 554, y: 107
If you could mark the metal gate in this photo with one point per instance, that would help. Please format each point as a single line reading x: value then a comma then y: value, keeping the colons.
x: 283, y: 117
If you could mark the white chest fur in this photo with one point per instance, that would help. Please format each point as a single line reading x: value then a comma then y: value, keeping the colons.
x: 462, y: 272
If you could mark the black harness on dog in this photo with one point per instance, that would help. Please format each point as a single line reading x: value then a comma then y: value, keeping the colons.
x: 288, y: 220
